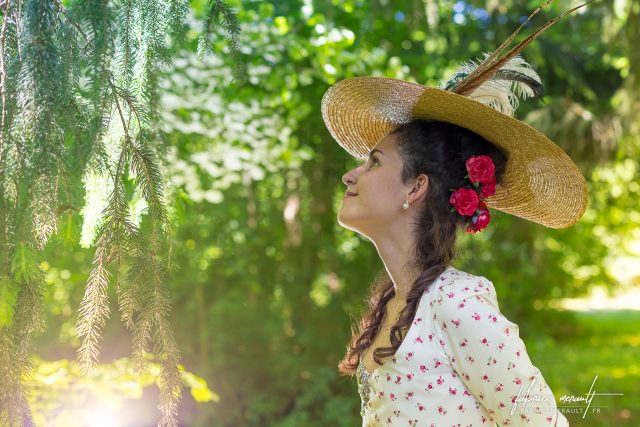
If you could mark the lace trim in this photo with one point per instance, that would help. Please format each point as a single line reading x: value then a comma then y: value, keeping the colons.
x: 363, y: 387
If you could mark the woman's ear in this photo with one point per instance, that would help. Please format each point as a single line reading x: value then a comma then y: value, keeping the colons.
x: 419, y: 189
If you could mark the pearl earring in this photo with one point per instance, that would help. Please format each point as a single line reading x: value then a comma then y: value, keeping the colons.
x: 405, y: 205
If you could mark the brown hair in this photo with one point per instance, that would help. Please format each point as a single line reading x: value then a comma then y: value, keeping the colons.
x: 439, y: 150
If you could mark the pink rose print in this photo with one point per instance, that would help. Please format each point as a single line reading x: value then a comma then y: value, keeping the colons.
x: 476, y: 316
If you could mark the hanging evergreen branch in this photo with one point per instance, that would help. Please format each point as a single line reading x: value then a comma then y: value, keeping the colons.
x: 79, y: 92
x: 218, y: 13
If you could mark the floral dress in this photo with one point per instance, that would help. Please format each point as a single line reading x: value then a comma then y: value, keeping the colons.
x: 461, y: 363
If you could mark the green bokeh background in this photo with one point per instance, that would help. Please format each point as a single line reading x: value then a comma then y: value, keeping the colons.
x: 268, y: 282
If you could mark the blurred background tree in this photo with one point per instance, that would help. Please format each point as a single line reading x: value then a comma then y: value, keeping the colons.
x: 269, y: 283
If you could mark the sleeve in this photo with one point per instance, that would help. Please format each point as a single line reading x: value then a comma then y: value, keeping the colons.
x: 486, y: 351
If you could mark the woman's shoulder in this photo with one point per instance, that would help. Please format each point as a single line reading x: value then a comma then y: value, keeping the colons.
x: 455, y: 285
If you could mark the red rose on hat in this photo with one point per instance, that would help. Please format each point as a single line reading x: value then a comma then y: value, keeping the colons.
x: 465, y: 201
x: 488, y: 188
x: 481, y: 169
x: 480, y: 220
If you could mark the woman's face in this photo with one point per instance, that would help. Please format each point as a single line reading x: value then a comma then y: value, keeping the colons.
x: 379, y: 190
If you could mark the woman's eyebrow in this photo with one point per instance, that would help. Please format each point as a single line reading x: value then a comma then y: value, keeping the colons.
x: 373, y: 151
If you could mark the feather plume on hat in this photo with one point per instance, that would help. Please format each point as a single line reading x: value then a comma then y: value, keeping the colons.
x: 514, y: 80
x: 500, y: 82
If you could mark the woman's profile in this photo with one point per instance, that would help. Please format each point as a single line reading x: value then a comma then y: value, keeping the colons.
x: 434, y: 348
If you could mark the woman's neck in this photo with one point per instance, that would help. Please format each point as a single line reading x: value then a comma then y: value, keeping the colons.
x: 395, y: 254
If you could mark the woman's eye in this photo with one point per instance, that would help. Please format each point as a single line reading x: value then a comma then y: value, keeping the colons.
x: 375, y: 161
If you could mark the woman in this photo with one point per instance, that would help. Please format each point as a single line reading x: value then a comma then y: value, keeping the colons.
x: 435, y: 350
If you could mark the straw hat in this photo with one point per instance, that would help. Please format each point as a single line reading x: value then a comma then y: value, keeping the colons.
x: 540, y: 183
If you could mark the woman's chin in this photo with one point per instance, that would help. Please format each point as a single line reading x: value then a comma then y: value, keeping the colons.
x: 345, y: 221
x: 348, y: 222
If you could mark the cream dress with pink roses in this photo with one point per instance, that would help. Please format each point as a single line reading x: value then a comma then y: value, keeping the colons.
x: 462, y: 363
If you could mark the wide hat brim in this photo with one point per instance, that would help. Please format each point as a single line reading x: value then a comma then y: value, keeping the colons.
x: 540, y: 183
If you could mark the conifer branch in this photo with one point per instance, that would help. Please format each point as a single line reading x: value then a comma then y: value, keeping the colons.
x: 219, y: 13
x: 94, y: 309
x: 64, y: 73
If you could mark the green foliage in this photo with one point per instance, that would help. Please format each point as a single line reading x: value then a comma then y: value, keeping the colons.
x: 603, y: 344
x: 80, y: 100
x: 175, y: 160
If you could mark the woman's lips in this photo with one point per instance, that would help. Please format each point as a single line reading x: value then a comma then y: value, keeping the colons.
x: 349, y: 194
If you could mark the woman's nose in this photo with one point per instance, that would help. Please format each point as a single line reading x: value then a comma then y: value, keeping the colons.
x: 348, y: 178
